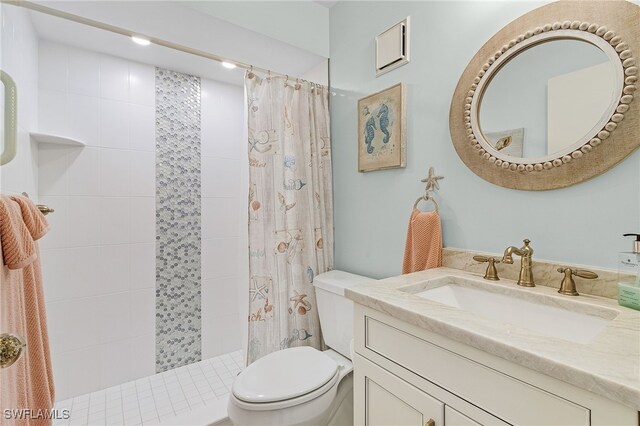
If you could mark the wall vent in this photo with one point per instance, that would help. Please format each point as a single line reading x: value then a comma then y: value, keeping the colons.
x: 392, y: 47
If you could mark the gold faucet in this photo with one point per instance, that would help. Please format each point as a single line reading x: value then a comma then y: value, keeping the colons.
x: 525, y: 279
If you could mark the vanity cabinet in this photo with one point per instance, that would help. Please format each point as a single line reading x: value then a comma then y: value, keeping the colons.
x: 406, y: 375
x: 389, y: 400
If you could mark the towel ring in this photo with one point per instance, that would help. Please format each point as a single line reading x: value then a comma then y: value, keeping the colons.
x: 427, y: 197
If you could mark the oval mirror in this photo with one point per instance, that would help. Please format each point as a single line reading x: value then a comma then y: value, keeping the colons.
x: 564, y: 88
x: 548, y: 101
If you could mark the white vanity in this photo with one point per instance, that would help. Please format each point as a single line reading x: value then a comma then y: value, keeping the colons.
x: 430, y: 350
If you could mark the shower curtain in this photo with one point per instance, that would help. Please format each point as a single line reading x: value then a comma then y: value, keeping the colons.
x: 290, y: 211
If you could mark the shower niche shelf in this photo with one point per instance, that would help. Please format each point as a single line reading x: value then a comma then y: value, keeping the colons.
x: 49, y: 139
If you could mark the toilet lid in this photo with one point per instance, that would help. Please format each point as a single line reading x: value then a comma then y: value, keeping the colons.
x: 283, y: 375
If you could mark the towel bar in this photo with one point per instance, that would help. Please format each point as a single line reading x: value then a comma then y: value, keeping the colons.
x: 44, y: 209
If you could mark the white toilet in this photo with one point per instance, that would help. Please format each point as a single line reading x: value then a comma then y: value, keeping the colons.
x: 301, y: 385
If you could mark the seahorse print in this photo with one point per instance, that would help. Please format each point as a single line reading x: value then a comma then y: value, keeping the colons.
x: 383, y: 118
x: 370, y: 129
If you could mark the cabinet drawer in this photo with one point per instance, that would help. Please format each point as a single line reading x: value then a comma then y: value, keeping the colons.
x: 453, y: 418
x: 506, y: 397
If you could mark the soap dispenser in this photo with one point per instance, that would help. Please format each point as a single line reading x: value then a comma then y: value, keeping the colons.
x: 629, y: 275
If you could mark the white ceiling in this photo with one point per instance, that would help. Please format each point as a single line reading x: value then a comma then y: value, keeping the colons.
x: 250, y: 48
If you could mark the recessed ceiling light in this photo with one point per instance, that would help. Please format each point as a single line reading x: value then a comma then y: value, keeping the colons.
x: 141, y: 41
x: 228, y: 65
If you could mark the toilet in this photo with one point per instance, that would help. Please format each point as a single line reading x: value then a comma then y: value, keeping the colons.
x: 302, y: 385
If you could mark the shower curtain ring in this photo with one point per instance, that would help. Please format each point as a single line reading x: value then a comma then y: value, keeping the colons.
x: 251, y: 74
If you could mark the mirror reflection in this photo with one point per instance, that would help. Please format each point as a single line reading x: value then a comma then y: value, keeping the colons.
x: 547, y: 98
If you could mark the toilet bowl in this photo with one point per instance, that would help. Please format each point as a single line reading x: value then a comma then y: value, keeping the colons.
x: 296, y: 386
x: 302, y: 385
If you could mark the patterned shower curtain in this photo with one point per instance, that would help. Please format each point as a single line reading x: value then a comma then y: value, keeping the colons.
x: 290, y: 211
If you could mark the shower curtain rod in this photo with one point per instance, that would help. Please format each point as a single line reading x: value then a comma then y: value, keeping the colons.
x: 123, y: 31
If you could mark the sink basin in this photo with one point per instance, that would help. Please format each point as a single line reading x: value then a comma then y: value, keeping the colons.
x: 541, y: 318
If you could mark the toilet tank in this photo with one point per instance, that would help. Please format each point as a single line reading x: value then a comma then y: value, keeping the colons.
x: 335, y: 310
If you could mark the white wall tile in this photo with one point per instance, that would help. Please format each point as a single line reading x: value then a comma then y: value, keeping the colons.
x: 114, y: 317
x: 53, y: 61
x: 84, y: 72
x: 219, y: 257
x: 211, y: 334
x: 53, y: 107
x: 143, y: 174
x: 143, y: 265
x: 61, y: 375
x: 83, y: 118
x: 115, y: 172
x: 220, y: 177
x: 72, y: 324
x: 115, y: 365
x: 52, y: 176
x: 84, y: 229
x: 222, y: 119
x: 222, y: 295
x: 84, y: 277
x: 143, y: 358
x: 230, y: 333
x: 114, y: 124
x: 78, y: 364
x: 142, y: 84
x: 114, y: 268
x: 58, y: 235
x: 221, y: 217
x: 143, y: 311
x: 84, y: 171
x: 56, y: 267
x: 142, y: 128
x: 143, y: 219
x: 114, y: 78
x: 115, y: 220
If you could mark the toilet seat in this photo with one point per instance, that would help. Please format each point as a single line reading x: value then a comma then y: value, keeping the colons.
x: 285, y: 378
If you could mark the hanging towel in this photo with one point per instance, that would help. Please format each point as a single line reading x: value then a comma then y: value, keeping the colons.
x: 28, y: 383
x: 424, y: 242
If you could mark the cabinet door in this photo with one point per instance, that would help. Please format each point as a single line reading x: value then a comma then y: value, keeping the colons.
x: 382, y: 399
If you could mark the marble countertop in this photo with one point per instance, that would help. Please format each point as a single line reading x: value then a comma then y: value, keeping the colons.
x: 608, y: 365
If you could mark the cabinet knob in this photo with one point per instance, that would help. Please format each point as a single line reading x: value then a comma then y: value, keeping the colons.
x: 430, y: 422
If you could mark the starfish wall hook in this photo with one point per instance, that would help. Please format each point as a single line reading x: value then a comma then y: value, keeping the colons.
x: 432, y: 181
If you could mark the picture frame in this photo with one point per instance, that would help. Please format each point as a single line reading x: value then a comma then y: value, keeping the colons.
x: 382, y: 130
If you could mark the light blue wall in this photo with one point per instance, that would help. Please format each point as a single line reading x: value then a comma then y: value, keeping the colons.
x: 581, y: 224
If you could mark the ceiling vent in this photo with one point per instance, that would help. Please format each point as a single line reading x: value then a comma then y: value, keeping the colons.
x: 392, y: 47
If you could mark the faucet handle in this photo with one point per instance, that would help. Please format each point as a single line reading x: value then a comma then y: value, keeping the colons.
x: 491, y: 273
x: 568, y: 285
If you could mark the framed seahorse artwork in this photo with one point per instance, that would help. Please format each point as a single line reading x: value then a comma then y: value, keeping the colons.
x: 381, y: 130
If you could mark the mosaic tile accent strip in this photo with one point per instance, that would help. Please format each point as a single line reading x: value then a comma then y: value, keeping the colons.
x: 178, y: 236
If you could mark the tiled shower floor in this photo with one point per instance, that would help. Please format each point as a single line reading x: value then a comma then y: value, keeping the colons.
x: 156, y: 399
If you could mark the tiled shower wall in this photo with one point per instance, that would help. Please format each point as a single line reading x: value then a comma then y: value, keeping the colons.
x: 99, y: 259
x: 19, y: 58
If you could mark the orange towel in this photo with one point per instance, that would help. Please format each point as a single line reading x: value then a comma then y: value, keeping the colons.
x: 424, y: 242
x: 27, y: 384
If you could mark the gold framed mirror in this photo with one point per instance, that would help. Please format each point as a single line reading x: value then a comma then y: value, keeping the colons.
x: 548, y: 101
